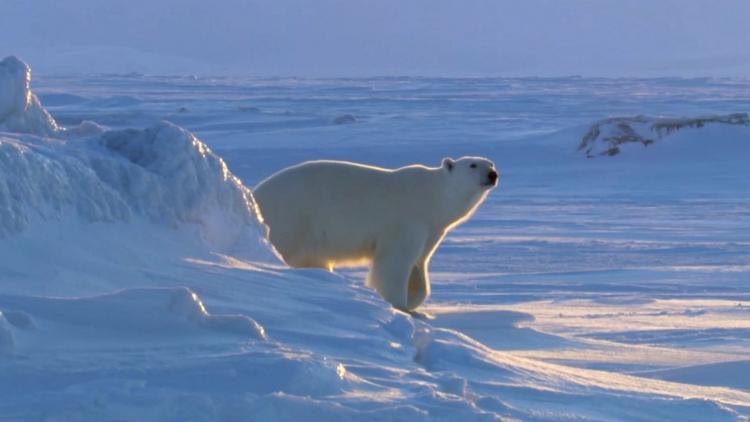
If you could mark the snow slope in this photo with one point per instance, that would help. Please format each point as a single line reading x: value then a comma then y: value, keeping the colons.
x: 137, y: 285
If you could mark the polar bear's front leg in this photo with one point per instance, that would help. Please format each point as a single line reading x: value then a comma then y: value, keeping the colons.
x: 419, y: 279
x: 396, y: 255
x: 419, y: 286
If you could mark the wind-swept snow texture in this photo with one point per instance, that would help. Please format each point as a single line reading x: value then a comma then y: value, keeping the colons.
x: 136, y: 284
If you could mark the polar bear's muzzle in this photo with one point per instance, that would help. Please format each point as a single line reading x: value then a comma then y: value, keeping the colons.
x: 492, y: 178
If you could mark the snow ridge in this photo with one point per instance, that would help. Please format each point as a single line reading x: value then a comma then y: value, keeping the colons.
x: 606, y: 137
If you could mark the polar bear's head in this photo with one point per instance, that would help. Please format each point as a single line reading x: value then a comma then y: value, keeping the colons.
x: 472, y: 172
x: 468, y: 180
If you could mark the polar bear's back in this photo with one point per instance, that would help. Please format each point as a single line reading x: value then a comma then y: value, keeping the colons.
x: 322, y: 212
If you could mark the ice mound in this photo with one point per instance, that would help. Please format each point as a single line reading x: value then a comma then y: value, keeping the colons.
x: 41, y: 178
x: 160, y: 312
x: 606, y: 137
x: 20, y: 109
x: 163, y: 174
x: 166, y: 173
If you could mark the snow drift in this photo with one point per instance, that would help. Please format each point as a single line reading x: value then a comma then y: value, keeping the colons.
x: 146, y: 312
x: 607, y: 137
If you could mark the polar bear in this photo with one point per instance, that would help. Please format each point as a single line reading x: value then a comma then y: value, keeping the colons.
x: 329, y: 214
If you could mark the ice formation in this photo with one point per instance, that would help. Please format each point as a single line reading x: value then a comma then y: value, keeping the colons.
x: 162, y: 173
x: 20, y: 109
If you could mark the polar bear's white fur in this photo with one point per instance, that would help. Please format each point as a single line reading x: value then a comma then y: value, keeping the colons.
x: 328, y: 214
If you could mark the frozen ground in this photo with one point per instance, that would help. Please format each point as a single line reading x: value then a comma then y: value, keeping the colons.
x: 609, y: 288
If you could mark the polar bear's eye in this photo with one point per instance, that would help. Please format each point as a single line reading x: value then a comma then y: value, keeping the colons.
x: 473, y: 166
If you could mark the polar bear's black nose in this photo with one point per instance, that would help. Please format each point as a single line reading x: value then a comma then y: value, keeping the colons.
x: 493, y: 177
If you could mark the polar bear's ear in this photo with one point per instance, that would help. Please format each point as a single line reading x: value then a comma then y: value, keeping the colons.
x: 448, y: 163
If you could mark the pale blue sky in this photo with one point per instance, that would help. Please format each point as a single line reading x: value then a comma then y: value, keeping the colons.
x: 383, y: 37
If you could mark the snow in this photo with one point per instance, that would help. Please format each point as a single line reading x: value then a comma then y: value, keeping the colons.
x: 608, y: 136
x: 160, y: 173
x: 732, y: 374
x: 153, y: 312
x: 6, y: 335
x: 137, y: 284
